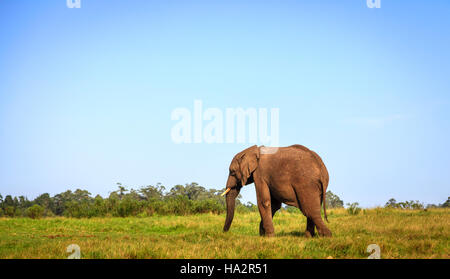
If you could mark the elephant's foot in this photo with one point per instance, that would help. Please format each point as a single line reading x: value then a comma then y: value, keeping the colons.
x: 266, y: 234
x: 310, y: 228
x: 322, y: 229
x: 308, y: 234
x: 262, y: 231
x: 325, y: 232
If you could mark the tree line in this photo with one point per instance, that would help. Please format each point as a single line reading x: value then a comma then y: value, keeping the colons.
x: 392, y: 203
x: 145, y: 201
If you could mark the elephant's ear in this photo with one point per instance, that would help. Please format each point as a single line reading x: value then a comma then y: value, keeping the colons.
x: 248, y: 162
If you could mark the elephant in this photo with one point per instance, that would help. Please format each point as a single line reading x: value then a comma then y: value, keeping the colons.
x: 293, y: 175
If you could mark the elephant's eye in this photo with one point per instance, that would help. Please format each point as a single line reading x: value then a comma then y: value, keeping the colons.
x: 232, y: 172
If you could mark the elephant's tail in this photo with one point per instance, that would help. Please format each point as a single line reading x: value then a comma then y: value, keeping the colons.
x: 324, y: 194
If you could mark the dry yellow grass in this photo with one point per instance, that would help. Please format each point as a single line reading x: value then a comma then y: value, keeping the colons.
x: 398, y: 233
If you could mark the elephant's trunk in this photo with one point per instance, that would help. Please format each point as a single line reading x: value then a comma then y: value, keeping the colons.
x: 231, y: 202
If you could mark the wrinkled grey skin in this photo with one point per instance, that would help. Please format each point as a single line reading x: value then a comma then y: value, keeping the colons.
x: 293, y: 175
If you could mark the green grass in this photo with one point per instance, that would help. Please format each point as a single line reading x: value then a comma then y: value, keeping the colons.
x: 399, y: 234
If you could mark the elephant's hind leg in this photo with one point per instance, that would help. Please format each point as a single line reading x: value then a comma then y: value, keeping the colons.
x: 321, y: 227
x: 310, y: 205
x: 316, y: 217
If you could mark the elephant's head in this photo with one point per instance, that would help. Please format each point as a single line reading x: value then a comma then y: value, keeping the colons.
x: 241, y: 173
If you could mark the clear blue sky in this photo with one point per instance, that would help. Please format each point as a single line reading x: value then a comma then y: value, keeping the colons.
x: 86, y: 94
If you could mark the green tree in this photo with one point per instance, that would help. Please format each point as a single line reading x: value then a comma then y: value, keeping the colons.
x: 134, y: 195
x: 392, y: 203
x: 16, y: 202
x: 333, y: 201
x: 45, y: 201
x: 446, y: 203
x: 60, y: 201
x: 8, y: 202
x: 177, y: 190
x: 195, y: 191
x: 82, y: 195
x: 121, y: 191
x: 24, y: 202
x: 153, y: 192
x: 192, y: 191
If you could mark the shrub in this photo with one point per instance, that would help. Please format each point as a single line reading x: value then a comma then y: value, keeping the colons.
x: 292, y: 209
x: 179, y: 205
x: 10, y: 211
x: 353, y: 208
x: 35, y: 212
x: 79, y: 209
x: 127, y: 207
x: 209, y: 205
x: 18, y: 212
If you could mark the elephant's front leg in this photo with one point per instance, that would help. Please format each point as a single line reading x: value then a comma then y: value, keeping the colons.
x: 265, y: 209
x: 275, y: 205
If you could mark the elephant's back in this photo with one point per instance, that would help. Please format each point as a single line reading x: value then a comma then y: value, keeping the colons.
x: 292, y: 171
x: 293, y: 159
x: 309, y: 161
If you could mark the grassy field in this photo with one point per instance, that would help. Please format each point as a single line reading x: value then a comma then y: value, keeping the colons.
x: 398, y: 233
